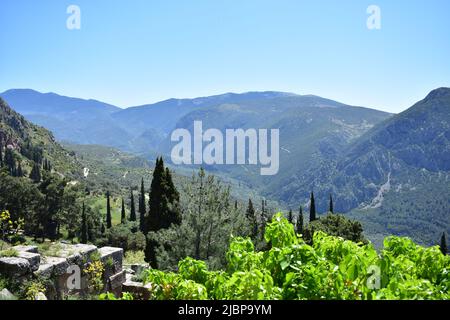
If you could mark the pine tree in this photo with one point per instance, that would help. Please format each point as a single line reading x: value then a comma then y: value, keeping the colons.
x: 443, y: 245
x: 331, y: 209
x: 300, y: 221
x: 84, y: 229
x: 132, y: 207
x: 290, y: 216
x: 108, y: 211
x: 35, y: 173
x: 142, y: 208
x: 123, y: 216
x: 312, y: 208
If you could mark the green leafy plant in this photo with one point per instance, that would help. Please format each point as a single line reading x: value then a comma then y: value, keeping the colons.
x: 330, y: 268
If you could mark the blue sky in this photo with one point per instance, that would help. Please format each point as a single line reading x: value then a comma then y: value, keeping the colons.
x: 141, y: 51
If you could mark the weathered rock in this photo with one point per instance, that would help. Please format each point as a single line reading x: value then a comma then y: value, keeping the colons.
x: 78, y: 254
x: 14, y: 266
x: 117, y: 280
x: 5, y: 294
x: 60, y: 265
x: 32, y: 249
x: 85, y: 250
x: 33, y: 258
x: 114, y: 255
x: 137, y: 289
x: 45, y: 270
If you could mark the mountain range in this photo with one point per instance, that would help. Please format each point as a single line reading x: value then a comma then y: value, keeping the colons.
x: 389, y: 171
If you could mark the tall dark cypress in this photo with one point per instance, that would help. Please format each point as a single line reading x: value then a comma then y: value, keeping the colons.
x: 250, y: 213
x: 251, y: 216
x: 9, y: 161
x: 300, y: 221
x: 290, y: 216
x: 84, y: 228
x: 443, y: 245
x: 123, y: 215
x: 312, y: 208
x: 35, y: 173
x: 164, y: 200
x: 19, y: 170
x: 1, y: 153
x: 164, y: 206
x: 132, y: 207
x: 142, y: 208
x: 263, y: 207
x: 108, y: 211
x: 174, y: 211
x: 331, y: 209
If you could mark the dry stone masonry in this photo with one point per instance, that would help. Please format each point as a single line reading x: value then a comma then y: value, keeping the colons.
x: 55, y: 268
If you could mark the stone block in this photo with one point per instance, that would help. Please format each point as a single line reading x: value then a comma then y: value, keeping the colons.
x: 14, y: 266
x: 114, y: 255
x: 117, y: 280
x: 137, y: 289
x: 59, y: 264
x: 33, y: 258
x: 45, y: 270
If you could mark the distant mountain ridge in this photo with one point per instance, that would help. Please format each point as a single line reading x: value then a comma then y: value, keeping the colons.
x: 391, y: 172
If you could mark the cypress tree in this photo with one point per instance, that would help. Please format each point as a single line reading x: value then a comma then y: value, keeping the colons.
x: 300, y: 221
x: 331, y: 209
x: 155, y: 198
x: 250, y: 213
x: 132, y: 206
x: 164, y: 206
x: 443, y: 245
x: 108, y: 211
x: 312, y: 208
x: 1, y: 153
x: 84, y: 229
x: 123, y: 216
x: 174, y: 212
x: 251, y: 216
x: 164, y: 200
x: 35, y: 173
x: 142, y: 208
x: 19, y: 170
x: 290, y: 216
x: 9, y: 161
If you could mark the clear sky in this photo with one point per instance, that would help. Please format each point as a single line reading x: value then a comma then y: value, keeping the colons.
x: 132, y: 52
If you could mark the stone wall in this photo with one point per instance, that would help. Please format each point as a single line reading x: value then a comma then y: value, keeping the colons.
x: 60, y: 269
